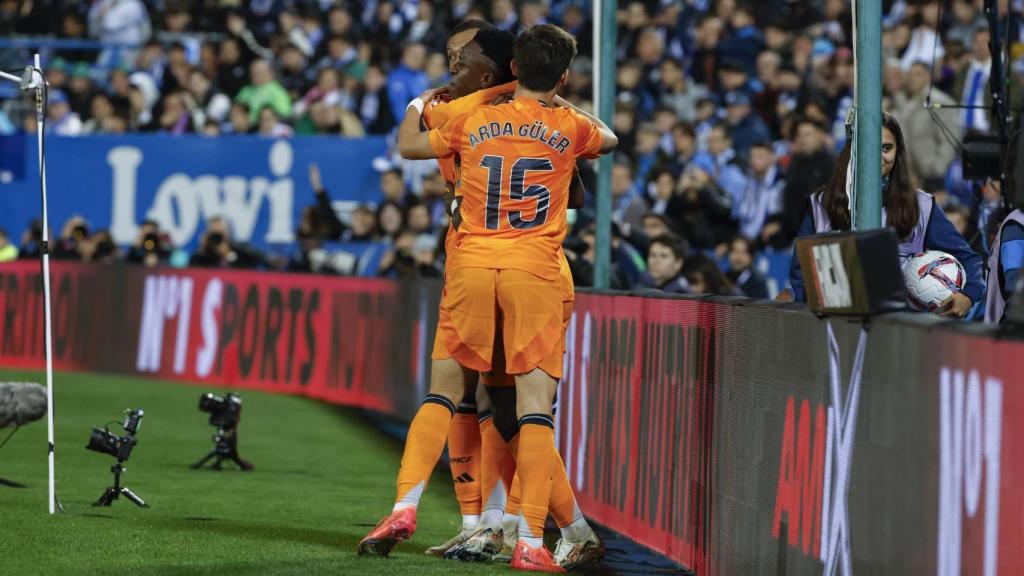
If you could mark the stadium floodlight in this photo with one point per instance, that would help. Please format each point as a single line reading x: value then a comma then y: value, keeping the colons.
x: 225, y: 413
x: 106, y: 442
x: 33, y: 79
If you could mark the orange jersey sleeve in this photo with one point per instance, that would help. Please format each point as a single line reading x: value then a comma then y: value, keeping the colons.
x: 517, y: 160
x: 588, y: 144
x: 442, y: 109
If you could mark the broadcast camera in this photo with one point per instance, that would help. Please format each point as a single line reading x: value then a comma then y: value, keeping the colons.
x: 105, y: 441
x: 120, y: 447
x: 224, y: 412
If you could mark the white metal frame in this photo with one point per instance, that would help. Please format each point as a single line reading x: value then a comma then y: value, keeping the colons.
x: 33, y: 79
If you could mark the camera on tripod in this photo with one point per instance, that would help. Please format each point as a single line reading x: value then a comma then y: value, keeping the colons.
x: 106, y: 442
x: 224, y: 411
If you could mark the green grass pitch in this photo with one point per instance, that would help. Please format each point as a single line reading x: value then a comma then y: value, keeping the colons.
x: 322, y: 479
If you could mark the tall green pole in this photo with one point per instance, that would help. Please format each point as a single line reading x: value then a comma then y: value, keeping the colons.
x: 604, y: 92
x: 868, y: 177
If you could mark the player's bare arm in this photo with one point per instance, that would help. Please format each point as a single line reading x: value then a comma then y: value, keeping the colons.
x: 609, y: 141
x: 412, y: 143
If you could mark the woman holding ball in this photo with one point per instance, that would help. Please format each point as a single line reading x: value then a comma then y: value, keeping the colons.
x: 919, y: 223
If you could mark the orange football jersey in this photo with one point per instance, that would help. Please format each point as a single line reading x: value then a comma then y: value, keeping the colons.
x: 438, y: 111
x: 517, y: 160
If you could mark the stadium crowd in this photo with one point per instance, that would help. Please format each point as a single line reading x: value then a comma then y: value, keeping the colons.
x: 729, y: 113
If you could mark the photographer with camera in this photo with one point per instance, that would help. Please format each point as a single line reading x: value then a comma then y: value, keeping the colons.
x: 411, y: 256
x: 150, y: 248
x: 216, y: 250
x: 99, y: 247
x: 214, y: 246
x: 75, y: 230
x: 31, y: 240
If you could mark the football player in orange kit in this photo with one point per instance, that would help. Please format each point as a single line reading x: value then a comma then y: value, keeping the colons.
x: 516, y: 160
x: 479, y: 71
x: 464, y: 436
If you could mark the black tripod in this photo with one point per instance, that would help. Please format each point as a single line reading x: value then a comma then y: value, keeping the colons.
x: 115, y: 491
x: 225, y: 448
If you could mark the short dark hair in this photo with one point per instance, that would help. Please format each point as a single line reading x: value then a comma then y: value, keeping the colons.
x: 762, y: 144
x: 805, y: 120
x: 655, y: 216
x: 673, y: 243
x: 747, y: 243
x: 731, y: 65
x: 542, y: 54
x: 469, y: 24
x: 496, y: 45
x: 685, y: 127
x: 745, y: 8
x: 723, y: 128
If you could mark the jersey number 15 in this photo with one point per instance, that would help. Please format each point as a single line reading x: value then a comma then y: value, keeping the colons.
x: 517, y: 190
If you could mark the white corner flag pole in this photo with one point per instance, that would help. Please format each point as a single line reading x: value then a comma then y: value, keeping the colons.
x: 33, y: 79
x: 41, y: 119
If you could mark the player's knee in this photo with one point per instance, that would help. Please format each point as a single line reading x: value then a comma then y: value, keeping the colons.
x: 535, y: 392
x: 448, y: 379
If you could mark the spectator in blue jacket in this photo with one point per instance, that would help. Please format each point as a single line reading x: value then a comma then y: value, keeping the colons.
x: 745, y: 40
x: 408, y: 80
x: 745, y: 127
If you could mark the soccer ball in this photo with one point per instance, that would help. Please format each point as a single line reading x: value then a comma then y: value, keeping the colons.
x: 931, y: 278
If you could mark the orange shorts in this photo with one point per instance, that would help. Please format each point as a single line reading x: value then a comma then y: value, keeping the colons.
x: 527, y: 308
x: 499, y: 376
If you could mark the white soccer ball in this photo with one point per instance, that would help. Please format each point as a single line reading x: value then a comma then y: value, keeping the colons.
x: 931, y: 278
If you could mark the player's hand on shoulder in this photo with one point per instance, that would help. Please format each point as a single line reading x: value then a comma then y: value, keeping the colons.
x: 429, y: 94
x: 502, y: 98
x: 441, y: 95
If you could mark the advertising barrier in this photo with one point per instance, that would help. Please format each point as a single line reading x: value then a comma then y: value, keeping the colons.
x: 635, y: 417
x: 337, y: 340
x: 735, y: 437
x: 258, y: 184
x: 890, y: 449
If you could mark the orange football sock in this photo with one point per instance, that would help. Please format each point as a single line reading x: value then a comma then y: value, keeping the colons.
x: 464, y: 457
x: 515, y: 494
x: 496, y: 468
x: 535, y: 463
x: 423, y: 447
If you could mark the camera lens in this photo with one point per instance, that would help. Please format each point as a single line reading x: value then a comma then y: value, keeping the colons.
x: 103, y: 441
x: 150, y: 242
x: 210, y: 402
